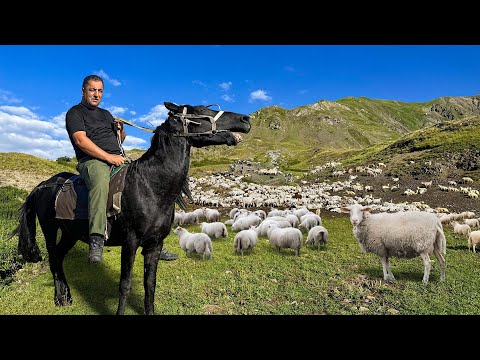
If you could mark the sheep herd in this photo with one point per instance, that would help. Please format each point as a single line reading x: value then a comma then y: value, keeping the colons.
x: 281, y: 227
x: 403, y: 234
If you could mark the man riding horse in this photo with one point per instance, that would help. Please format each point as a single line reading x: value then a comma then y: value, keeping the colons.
x: 93, y: 134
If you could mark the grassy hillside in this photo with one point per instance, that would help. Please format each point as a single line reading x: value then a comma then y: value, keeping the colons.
x: 337, y: 280
x: 297, y: 140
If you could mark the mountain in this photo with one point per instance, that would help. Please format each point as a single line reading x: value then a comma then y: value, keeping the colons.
x: 299, y: 139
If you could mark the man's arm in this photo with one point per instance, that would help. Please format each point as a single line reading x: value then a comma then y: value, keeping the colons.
x: 89, y: 148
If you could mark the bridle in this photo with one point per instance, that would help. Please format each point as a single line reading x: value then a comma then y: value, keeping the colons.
x: 185, y: 119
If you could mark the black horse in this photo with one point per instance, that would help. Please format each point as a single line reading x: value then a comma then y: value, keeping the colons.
x: 153, y: 184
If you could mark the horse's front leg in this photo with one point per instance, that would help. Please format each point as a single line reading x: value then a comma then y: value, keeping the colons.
x: 150, y: 264
x: 128, y: 259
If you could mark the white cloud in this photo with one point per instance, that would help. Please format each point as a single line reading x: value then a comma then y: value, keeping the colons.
x: 198, y: 82
x: 226, y: 85
x: 105, y: 76
x: 8, y: 97
x: 117, y: 110
x: 132, y: 142
x: 23, y: 131
x: 259, y: 95
x: 228, y: 98
x: 156, y: 116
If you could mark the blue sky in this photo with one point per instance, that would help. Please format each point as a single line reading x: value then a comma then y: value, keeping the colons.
x: 39, y: 83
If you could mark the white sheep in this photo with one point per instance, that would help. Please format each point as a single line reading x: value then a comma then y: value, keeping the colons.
x: 309, y: 222
x: 402, y: 234
x: 473, y: 240
x: 262, y: 228
x: 462, y: 229
x: 215, y: 229
x: 194, y: 242
x: 285, y: 238
x: 244, y: 223
x: 211, y: 215
x: 317, y: 235
x: 245, y: 240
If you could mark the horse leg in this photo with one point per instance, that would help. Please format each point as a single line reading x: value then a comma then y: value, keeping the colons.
x: 150, y: 264
x: 62, y: 292
x: 128, y: 259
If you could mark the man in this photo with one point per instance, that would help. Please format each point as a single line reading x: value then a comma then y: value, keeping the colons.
x: 92, y: 132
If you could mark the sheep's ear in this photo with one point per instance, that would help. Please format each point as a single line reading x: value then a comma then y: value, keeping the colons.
x: 344, y: 209
x: 367, y: 209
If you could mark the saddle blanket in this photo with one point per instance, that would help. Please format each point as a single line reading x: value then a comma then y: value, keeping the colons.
x: 71, y: 202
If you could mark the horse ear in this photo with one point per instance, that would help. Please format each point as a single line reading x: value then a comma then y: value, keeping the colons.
x: 171, y: 106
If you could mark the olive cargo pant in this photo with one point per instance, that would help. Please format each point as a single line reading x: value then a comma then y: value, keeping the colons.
x: 96, y: 175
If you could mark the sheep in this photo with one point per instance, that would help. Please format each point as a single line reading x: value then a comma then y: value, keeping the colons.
x: 317, y: 235
x: 200, y: 213
x: 402, y: 234
x: 188, y: 218
x: 473, y: 240
x: 472, y: 222
x: 211, y: 215
x: 262, y: 228
x: 244, y: 223
x: 194, y: 242
x: 288, y: 237
x: 245, y: 240
x: 215, y: 229
x: 309, y: 222
x: 462, y: 229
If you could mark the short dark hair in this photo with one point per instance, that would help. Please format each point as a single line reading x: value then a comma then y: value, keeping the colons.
x: 91, y: 77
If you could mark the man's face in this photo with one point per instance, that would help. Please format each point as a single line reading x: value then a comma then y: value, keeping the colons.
x: 93, y: 93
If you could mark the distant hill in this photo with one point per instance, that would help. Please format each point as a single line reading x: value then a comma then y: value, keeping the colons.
x: 299, y: 139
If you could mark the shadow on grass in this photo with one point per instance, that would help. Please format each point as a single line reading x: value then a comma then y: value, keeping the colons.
x: 98, y: 284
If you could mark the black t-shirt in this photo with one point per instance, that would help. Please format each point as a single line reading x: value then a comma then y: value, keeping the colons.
x: 98, y: 125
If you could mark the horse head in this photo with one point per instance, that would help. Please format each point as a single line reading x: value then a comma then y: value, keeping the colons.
x: 204, y: 126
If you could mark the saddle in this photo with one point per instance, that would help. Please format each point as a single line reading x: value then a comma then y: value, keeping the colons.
x: 71, y: 202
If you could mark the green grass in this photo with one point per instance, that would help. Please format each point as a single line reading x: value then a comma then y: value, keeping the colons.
x: 337, y: 280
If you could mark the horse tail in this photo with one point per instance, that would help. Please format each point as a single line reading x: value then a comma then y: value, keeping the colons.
x: 26, y: 230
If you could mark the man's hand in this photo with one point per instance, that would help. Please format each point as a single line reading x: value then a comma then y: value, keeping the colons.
x: 116, y: 160
x: 118, y: 125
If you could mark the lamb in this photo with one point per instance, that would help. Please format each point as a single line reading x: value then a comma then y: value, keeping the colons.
x: 317, y: 235
x: 215, y: 229
x: 288, y: 237
x: 402, y: 234
x: 473, y: 240
x: 245, y: 240
x: 194, y: 242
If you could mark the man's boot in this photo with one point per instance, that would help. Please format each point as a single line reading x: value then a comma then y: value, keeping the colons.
x: 165, y: 255
x: 96, y: 248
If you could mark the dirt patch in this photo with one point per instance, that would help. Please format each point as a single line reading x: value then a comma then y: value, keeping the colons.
x: 21, y: 180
